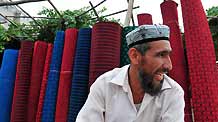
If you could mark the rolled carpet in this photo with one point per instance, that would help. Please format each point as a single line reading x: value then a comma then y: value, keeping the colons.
x: 38, y: 61
x: 48, y: 113
x: 44, y: 82
x: 66, y: 75
x: 7, y: 78
x: 105, y: 49
x: 79, y: 87
x: 22, y: 83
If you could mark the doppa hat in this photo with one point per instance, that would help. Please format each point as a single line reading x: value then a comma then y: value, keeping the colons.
x: 147, y: 33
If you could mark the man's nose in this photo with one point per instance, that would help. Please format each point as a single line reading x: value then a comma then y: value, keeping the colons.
x: 167, y: 63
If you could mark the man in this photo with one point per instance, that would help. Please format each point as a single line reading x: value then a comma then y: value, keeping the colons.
x: 139, y: 92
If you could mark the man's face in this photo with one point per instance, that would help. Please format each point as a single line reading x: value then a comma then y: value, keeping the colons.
x: 153, y: 65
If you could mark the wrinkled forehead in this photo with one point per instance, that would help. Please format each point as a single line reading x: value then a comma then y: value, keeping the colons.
x: 160, y: 45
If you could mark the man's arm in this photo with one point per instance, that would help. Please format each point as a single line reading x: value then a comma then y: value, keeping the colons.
x: 174, y: 112
x: 93, y: 109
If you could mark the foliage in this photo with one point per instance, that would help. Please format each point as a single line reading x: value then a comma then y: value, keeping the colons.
x: 48, y: 27
x: 13, y: 32
x: 213, y: 23
x: 70, y: 19
x: 213, y: 11
x: 2, y: 37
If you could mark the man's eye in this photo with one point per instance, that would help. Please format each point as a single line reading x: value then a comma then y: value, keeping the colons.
x: 162, y: 54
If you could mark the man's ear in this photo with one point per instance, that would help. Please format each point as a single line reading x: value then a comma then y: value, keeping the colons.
x: 134, y: 56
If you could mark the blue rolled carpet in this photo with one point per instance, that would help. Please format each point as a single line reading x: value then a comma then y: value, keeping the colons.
x: 48, y: 112
x: 7, y: 78
x: 80, y: 80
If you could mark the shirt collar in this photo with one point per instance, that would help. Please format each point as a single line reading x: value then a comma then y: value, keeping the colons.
x: 121, y: 78
x: 166, y: 84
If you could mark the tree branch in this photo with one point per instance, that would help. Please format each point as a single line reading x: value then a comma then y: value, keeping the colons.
x: 19, y: 2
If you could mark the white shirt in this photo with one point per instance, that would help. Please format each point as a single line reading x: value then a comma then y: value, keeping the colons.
x: 110, y: 100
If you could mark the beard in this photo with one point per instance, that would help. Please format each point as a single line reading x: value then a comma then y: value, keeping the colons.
x: 148, y: 84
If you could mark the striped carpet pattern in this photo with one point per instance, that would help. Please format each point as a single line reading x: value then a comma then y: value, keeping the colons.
x: 7, y: 79
x: 44, y: 82
x: 38, y: 61
x: 80, y: 80
x: 66, y: 75
x: 48, y: 113
x: 105, y: 49
x: 22, y: 83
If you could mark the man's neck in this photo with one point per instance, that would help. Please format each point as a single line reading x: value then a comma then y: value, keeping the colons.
x: 137, y: 91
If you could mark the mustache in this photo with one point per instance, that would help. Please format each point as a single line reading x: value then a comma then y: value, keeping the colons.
x: 164, y: 70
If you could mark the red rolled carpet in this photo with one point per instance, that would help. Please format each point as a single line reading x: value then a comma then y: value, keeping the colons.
x: 144, y: 18
x: 38, y: 61
x: 105, y: 49
x: 66, y: 75
x: 201, y: 62
x: 44, y: 82
x: 69, y: 49
x: 22, y: 83
x: 169, y: 11
x: 180, y: 69
x: 63, y: 97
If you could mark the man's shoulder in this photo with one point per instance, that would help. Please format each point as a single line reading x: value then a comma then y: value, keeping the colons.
x: 110, y: 75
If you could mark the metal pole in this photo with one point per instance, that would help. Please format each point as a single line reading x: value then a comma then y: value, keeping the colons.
x: 3, y: 22
x: 116, y: 12
x: 18, y: 2
x: 8, y: 20
x: 32, y: 17
x: 96, y: 14
x: 91, y: 8
x: 62, y: 19
x: 26, y: 13
x: 12, y: 23
x: 55, y: 8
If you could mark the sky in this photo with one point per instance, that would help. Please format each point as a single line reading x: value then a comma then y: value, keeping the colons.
x: 146, y: 6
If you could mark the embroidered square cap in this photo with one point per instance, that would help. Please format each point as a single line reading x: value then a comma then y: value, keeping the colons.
x: 147, y: 33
